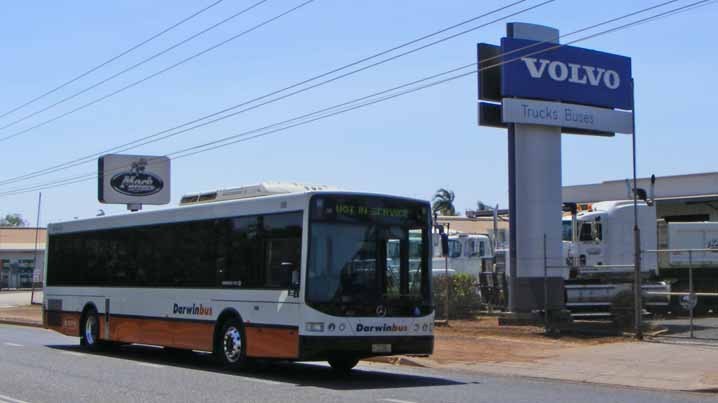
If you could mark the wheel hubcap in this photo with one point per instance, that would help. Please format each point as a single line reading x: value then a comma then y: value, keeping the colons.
x: 232, y: 344
x: 90, y: 327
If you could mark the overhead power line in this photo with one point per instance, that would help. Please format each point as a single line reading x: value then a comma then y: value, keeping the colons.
x: 351, y: 105
x: 194, y: 124
x: 132, y: 67
x: 153, y: 75
x: 110, y: 60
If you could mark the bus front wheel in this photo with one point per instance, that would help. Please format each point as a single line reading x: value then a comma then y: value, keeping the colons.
x: 231, y: 345
x: 343, y: 365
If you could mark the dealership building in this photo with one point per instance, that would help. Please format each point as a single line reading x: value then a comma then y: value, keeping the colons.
x: 21, y: 258
x: 678, y: 198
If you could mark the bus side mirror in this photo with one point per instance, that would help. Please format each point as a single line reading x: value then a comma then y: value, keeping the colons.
x: 444, y: 245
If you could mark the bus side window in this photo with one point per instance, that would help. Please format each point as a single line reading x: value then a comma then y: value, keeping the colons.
x: 244, y: 258
x: 282, y: 248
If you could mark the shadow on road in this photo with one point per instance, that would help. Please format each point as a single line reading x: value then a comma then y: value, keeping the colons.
x: 300, y: 374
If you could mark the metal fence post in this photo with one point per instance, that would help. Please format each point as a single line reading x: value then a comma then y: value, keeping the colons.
x: 691, y: 295
x: 545, y: 287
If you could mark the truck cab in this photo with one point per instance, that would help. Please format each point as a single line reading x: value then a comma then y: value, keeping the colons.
x: 603, y: 236
x: 468, y: 253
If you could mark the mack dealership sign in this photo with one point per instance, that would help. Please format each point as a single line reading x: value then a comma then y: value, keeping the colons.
x: 133, y: 179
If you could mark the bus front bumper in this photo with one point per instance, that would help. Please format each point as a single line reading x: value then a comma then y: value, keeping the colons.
x: 317, y: 348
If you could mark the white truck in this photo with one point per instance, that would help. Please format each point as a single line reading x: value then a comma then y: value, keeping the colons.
x: 598, y: 246
x: 468, y: 253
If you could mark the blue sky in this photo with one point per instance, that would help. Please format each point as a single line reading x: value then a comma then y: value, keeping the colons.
x: 411, y: 145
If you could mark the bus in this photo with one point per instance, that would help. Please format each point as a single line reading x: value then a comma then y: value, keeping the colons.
x: 304, y: 275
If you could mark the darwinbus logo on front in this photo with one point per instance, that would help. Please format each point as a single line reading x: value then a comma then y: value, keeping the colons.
x: 382, y: 328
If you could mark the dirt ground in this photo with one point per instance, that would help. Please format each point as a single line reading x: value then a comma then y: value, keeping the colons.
x: 483, y: 340
x: 25, y: 313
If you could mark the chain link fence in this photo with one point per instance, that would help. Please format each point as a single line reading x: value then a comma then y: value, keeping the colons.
x: 693, y: 313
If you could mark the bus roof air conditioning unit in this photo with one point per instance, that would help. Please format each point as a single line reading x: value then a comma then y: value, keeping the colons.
x: 251, y: 191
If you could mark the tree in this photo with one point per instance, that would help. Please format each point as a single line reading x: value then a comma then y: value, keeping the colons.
x: 481, y: 206
x: 443, y: 202
x: 13, y: 220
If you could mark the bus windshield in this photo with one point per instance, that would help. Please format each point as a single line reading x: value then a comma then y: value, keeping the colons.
x: 368, y: 256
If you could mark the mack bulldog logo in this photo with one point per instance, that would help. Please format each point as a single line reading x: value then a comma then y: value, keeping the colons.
x: 137, y: 182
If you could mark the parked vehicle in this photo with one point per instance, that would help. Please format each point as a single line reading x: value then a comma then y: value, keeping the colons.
x: 468, y: 253
x: 598, y: 246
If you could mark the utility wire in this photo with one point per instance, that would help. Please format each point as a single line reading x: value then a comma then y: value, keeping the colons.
x: 112, y: 59
x: 193, y: 126
x: 132, y: 67
x: 153, y: 75
x: 321, y: 115
x: 155, y: 137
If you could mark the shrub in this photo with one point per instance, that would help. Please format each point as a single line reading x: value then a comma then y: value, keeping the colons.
x: 463, y: 299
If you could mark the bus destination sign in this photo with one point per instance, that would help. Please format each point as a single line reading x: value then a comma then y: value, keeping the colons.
x: 366, y: 211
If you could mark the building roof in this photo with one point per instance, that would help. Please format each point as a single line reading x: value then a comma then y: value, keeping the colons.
x: 673, y: 187
x: 21, y: 239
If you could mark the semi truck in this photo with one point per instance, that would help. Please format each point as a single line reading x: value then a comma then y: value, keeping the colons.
x: 599, y: 252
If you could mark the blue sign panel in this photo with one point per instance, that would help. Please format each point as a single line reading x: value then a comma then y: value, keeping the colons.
x: 566, y: 73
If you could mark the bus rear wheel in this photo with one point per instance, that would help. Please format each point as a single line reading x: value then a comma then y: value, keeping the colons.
x: 230, y: 347
x: 90, y: 331
x: 343, y: 365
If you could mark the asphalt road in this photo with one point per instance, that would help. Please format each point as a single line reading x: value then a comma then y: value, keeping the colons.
x: 41, y: 366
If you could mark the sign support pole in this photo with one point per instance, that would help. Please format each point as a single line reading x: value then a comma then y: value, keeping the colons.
x: 512, y: 217
x: 637, y: 308
x: 534, y: 195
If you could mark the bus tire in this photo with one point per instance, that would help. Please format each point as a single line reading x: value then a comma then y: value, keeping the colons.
x: 90, y: 330
x: 230, y: 347
x: 343, y: 365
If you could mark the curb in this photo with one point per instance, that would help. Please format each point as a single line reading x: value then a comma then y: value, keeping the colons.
x: 19, y: 322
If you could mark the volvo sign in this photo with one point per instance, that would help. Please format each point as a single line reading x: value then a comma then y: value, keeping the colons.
x: 564, y: 73
x: 538, y: 89
x: 134, y: 180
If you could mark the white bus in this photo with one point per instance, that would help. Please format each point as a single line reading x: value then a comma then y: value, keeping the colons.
x: 311, y: 276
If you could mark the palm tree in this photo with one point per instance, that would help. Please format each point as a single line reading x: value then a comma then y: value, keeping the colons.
x: 443, y: 202
x: 13, y: 220
x: 481, y: 206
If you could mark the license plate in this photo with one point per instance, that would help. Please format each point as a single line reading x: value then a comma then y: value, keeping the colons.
x: 381, y: 348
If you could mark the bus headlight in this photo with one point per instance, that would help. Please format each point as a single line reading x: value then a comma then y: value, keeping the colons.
x: 314, y: 326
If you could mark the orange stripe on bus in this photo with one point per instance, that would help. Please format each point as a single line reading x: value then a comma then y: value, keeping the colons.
x: 264, y: 342
x: 270, y: 342
x: 169, y: 333
x: 67, y: 323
